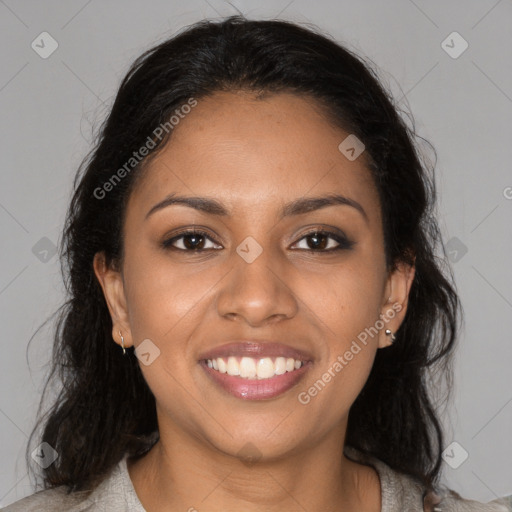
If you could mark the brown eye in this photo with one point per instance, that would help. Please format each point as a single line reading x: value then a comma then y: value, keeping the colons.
x: 325, y: 241
x: 191, y: 240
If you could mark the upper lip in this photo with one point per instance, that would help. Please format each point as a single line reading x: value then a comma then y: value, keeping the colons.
x: 253, y: 348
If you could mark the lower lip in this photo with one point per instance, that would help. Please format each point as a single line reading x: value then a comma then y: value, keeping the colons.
x: 256, y: 389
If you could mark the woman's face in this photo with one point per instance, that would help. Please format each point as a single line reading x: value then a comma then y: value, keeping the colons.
x: 258, y: 275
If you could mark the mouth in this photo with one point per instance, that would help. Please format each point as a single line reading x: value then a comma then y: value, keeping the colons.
x: 254, y: 370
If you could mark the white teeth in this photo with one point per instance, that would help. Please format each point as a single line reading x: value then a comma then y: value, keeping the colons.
x: 222, y: 365
x: 254, y: 368
x: 247, y: 368
x: 265, y: 368
x: 233, y: 368
x: 280, y: 366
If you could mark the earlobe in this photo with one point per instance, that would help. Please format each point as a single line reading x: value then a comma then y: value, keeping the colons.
x: 394, y: 308
x: 111, y: 282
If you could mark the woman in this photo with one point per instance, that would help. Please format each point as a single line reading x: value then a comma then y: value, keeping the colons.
x: 255, y: 302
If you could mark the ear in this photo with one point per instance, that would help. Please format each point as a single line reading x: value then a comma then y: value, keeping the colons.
x: 112, y: 284
x: 395, y: 300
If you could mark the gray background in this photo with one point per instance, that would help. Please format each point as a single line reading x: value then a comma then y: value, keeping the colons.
x: 462, y: 105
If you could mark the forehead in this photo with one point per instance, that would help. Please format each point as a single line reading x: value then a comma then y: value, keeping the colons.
x: 248, y: 151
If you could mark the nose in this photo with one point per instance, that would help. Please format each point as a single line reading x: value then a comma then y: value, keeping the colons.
x: 257, y: 292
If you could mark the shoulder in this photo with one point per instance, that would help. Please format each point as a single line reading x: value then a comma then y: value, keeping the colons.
x: 114, y: 494
x: 403, y: 492
x: 50, y: 500
x: 450, y: 501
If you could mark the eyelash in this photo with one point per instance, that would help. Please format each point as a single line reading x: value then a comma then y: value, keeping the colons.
x: 344, y: 243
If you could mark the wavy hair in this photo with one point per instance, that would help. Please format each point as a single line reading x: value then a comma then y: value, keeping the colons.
x: 105, y: 408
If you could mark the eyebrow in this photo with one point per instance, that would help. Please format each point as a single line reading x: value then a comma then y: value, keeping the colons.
x: 296, y: 207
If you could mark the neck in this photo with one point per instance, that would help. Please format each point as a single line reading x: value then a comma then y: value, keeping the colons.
x: 182, y: 473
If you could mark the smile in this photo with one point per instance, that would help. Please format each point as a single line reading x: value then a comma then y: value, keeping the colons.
x: 255, y: 379
x: 254, y: 368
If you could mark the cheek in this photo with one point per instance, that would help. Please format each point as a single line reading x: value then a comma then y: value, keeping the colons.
x: 347, y: 300
x: 164, y: 299
x: 347, y: 309
x: 328, y: 395
x: 166, y: 303
x: 336, y: 380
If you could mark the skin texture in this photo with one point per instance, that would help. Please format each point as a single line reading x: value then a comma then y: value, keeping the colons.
x: 253, y: 155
